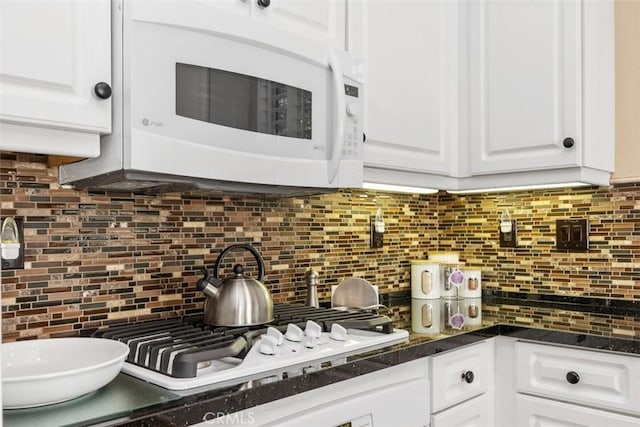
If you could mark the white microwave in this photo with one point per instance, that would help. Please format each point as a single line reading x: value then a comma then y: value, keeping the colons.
x: 207, y: 99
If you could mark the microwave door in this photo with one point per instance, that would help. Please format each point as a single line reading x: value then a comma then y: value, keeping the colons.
x: 243, y: 102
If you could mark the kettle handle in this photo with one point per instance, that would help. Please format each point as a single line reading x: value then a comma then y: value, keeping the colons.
x: 251, y: 249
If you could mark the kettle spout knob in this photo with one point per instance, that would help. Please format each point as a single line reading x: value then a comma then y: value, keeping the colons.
x: 238, y: 269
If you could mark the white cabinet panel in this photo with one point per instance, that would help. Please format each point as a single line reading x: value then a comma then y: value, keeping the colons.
x: 323, y: 20
x: 465, y: 95
x: 410, y: 51
x: 450, y: 377
x: 592, y: 378
x: 395, y: 396
x: 536, y: 412
x: 540, y: 92
x: 524, y: 84
x: 53, y: 54
x: 473, y: 413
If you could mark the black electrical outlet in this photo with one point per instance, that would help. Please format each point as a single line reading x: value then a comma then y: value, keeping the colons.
x: 572, y: 234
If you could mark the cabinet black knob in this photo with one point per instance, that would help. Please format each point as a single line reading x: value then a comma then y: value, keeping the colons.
x: 573, y: 377
x: 468, y: 376
x: 264, y: 3
x: 364, y: 137
x: 102, y: 90
x: 568, y: 142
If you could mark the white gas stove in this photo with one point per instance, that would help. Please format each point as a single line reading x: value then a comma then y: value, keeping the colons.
x: 180, y: 354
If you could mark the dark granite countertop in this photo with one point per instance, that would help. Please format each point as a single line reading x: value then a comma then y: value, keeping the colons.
x: 190, y: 409
x: 183, y: 410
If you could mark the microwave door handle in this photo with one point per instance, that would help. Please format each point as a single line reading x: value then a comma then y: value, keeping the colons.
x: 340, y: 101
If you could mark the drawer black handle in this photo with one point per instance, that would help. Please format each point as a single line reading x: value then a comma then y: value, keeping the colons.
x: 573, y: 377
x: 468, y: 376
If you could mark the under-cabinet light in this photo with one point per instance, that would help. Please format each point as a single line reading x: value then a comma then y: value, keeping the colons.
x: 398, y: 188
x: 518, y: 188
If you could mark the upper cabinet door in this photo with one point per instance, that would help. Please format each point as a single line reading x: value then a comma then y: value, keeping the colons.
x: 53, y: 53
x: 524, y: 85
x: 410, y: 49
x: 321, y: 20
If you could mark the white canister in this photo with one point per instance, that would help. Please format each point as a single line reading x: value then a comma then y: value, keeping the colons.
x: 426, y: 278
x: 473, y: 311
x: 425, y: 316
x: 452, y: 285
x: 472, y: 283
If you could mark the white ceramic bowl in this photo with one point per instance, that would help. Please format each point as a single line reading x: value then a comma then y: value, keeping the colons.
x: 46, y: 371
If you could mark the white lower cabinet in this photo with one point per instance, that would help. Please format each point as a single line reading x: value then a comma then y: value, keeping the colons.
x: 395, y: 396
x: 538, y: 412
x: 513, y: 384
x: 591, y: 378
x: 558, y: 386
x: 472, y: 413
x: 462, y: 386
x: 461, y: 374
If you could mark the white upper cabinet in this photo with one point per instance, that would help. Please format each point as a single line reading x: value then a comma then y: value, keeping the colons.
x: 53, y: 54
x: 524, y: 92
x: 487, y: 93
x: 540, y: 88
x: 410, y: 54
x: 322, y: 20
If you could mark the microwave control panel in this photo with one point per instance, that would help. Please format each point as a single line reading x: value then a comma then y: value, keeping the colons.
x: 352, y: 148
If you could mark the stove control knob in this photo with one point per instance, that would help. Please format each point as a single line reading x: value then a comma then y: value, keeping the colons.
x: 312, y: 329
x: 268, y: 345
x: 275, y: 334
x: 293, y: 333
x: 310, y: 342
x: 338, y: 333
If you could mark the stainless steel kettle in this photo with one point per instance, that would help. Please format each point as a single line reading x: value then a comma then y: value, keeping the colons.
x: 238, y: 300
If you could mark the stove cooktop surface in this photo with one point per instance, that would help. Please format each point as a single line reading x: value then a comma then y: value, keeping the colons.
x: 182, y: 354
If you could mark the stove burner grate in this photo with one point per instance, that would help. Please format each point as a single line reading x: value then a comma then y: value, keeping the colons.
x: 177, y: 347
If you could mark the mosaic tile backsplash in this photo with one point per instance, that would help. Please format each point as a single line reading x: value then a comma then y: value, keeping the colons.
x: 610, y: 268
x: 93, y: 259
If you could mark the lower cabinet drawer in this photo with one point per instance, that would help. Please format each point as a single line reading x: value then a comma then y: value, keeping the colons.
x: 539, y: 412
x: 460, y: 375
x: 592, y: 378
x: 476, y: 412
